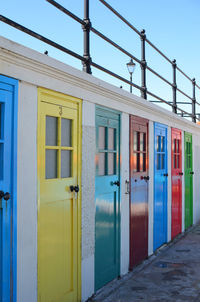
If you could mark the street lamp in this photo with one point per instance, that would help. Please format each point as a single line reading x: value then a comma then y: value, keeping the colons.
x: 131, y: 67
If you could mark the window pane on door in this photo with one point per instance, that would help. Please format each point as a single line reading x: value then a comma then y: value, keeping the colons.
x: 51, y: 130
x: 102, y: 138
x: 141, y: 141
x: 144, y: 162
x: 177, y: 161
x: 162, y: 143
x: 66, y: 158
x: 158, y: 161
x: 111, y: 163
x: 51, y: 164
x: 135, y: 141
x: 158, y: 143
x: 111, y: 138
x: 1, y: 161
x: 162, y: 161
x: 66, y: 127
x: 101, y: 163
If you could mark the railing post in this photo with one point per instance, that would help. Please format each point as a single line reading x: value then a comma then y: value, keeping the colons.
x: 86, y: 36
x: 143, y: 65
x: 174, y: 87
x: 194, y: 101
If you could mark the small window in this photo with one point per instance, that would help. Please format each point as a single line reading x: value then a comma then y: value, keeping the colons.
x: 66, y: 159
x: 162, y: 161
x: 51, y: 131
x: 101, y: 163
x: 162, y: 143
x: 135, y: 141
x: 51, y: 164
x: 111, y: 138
x: 66, y: 126
x: 1, y: 161
x: 111, y: 163
x: 102, y: 136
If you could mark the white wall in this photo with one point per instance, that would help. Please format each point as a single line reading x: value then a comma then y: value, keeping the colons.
x: 27, y: 194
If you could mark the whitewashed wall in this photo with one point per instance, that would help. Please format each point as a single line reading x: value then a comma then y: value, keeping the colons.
x: 37, y: 70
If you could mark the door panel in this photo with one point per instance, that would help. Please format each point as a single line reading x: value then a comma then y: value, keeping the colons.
x: 176, y: 166
x: 107, y: 197
x: 160, y: 185
x: 188, y: 181
x: 138, y: 190
x: 58, y: 205
x: 7, y: 201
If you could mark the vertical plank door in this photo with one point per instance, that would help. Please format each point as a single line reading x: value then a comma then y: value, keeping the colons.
x: 7, y: 202
x: 107, y: 197
x: 188, y: 181
x: 138, y: 190
x: 59, y: 208
x: 160, y: 185
x: 176, y: 168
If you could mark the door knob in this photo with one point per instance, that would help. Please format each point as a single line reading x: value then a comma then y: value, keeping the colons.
x: 180, y: 173
x: 192, y: 173
x: 165, y: 174
x: 74, y: 188
x: 146, y: 177
x: 117, y: 183
x: 5, y: 196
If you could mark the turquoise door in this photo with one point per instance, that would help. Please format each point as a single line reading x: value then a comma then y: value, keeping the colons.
x: 7, y: 191
x: 107, y: 197
x: 160, y: 185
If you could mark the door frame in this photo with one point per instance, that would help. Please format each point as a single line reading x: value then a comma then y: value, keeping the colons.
x: 109, y: 114
x: 42, y: 94
x: 14, y: 87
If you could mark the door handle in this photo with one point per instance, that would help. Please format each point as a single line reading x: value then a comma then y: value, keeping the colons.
x: 146, y: 177
x: 117, y: 183
x: 5, y: 196
x: 192, y: 173
x: 180, y: 173
x: 74, y: 188
x: 165, y: 174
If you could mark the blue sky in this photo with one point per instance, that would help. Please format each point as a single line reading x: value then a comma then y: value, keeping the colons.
x: 172, y: 25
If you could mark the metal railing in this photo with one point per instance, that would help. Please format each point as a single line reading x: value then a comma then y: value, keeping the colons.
x: 87, y: 61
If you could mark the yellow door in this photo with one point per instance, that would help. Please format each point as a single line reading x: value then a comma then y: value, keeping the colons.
x: 59, y: 208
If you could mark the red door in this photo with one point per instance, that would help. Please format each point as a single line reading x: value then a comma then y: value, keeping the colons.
x: 138, y: 190
x: 176, y: 182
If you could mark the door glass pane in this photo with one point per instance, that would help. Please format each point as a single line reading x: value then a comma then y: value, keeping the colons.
x: 144, y: 140
x: 1, y: 121
x: 158, y: 143
x: 138, y: 141
x: 141, y: 162
x: 111, y: 138
x: 174, y: 162
x: 177, y: 161
x: 66, y: 126
x: 134, y: 162
x: 66, y: 157
x: 158, y: 162
x: 102, y: 138
x: 51, y: 164
x: 51, y: 130
x: 135, y: 141
x: 101, y: 163
x: 177, y: 145
x: 1, y: 161
x: 144, y: 161
x: 162, y: 161
x: 174, y: 146
x: 110, y: 163
x: 162, y: 143
x: 138, y: 162
x: 141, y: 141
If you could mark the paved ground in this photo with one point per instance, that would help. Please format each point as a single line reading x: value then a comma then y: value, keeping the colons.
x: 173, y: 274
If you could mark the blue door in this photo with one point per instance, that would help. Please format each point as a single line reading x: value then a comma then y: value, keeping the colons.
x: 8, y: 92
x: 160, y: 185
x: 107, y: 197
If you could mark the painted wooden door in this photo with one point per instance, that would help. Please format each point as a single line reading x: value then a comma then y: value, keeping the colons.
x: 7, y: 190
x: 188, y: 181
x: 176, y: 168
x: 138, y: 190
x: 59, y: 206
x: 107, y: 197
x: 160, y: 185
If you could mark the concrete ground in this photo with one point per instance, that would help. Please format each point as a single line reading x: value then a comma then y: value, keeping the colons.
x: 173, y: 274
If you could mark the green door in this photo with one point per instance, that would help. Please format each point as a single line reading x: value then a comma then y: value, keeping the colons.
x: 107, y: 197
x: 188, y: 181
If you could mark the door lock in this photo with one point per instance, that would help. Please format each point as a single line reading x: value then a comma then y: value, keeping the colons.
x: 146, y: 177
x: 192, y: 173
x: 117, y: 183
x: 165, y: 174
x: 74, y: 188
x: 5, y: 196
x: 180, y: 173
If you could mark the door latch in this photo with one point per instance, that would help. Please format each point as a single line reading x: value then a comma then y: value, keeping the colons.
x: 74, y: 188
x: 5, y: 196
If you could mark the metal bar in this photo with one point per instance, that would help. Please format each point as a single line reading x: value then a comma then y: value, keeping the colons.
x: 115, y: 75
x: 143, y: 65
x: 120, y: 16
x: 183, y: 73
x: 159, y: 76
x: 184, y: 103
x: 114, y: 44
x: 184, y: 94
x: 65, y: 11
x: 193, y: 101
x: 157, y: 97
x: 160, y: 52
x: 174, y: 87
x: 86, y: 38
x: 40, y: 37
